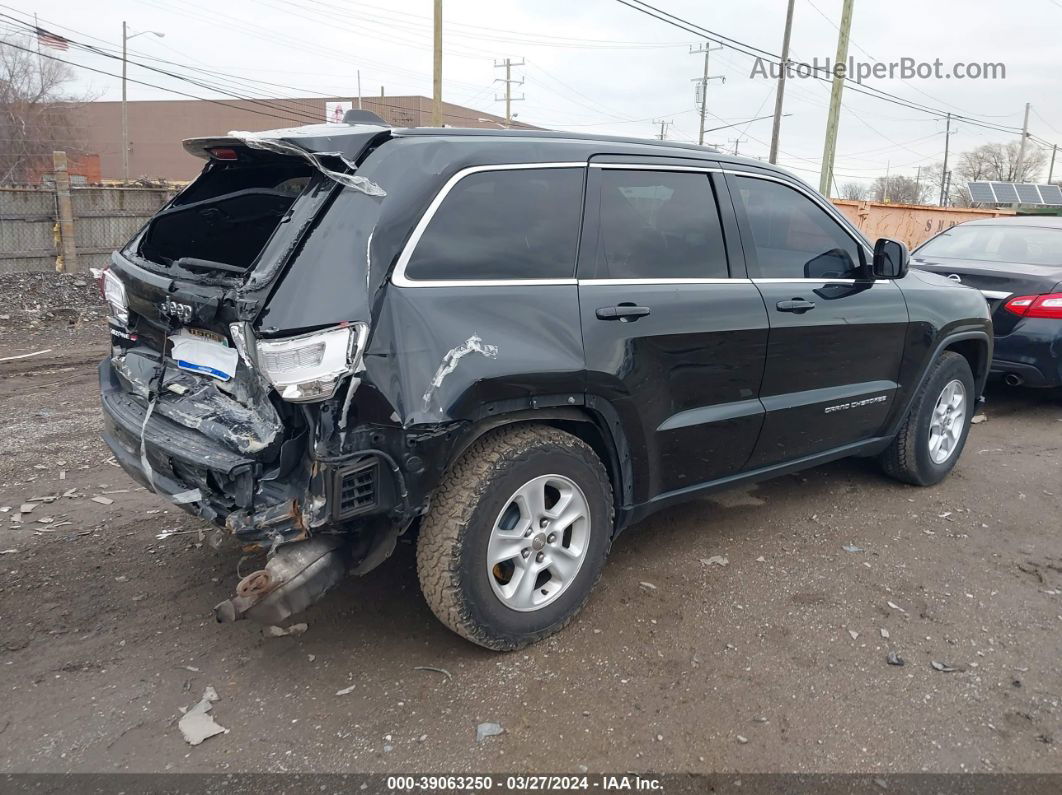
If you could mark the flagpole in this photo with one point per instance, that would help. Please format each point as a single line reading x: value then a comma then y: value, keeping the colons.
x: 40, y: 55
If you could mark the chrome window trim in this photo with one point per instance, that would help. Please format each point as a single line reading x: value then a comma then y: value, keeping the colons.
x: 818, y: 199
x: 996, y: 294
x: 398, y: 276
x: 657, y: 167
x: 612, y: 282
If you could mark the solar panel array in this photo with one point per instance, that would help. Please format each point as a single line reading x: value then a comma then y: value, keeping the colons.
x: 1015, y: 193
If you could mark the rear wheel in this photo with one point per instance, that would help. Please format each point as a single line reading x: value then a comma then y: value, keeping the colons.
x: 932, y: 436
x: 516, y: 536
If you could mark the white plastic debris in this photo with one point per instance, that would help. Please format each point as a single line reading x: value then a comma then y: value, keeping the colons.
x: 196, y: 725
x: 852, y: 548
x: 488, y: 729
x: 103, y: 500
x: 279, y: 632
x: 346, y: 691
x: 714, y: 560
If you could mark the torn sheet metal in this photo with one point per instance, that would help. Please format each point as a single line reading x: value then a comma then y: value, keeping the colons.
x: 271, y: 143
x: 453, y: 357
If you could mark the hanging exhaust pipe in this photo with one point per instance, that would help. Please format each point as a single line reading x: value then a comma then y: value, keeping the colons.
x: 296, y: 576
x: 1013, y: 379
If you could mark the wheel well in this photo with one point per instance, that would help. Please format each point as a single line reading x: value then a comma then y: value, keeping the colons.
x: 579, y: 423
x: 975, y: 352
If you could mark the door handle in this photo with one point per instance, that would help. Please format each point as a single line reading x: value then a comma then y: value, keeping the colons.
x: 797, y: 305
x: 624, y: 312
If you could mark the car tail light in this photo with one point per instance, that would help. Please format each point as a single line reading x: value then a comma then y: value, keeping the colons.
x: 113, y: 292
x: 1048, y: 305
x: 308, y: 367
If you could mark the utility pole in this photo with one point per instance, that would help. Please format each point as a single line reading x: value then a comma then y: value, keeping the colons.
x: 508, y: 64
x: 944, y: 168
x: 885, y: 195
x: 779, y: 94
x: 829, y: 150
x: 918, y: 186
x: 436, y: 101
x: 737, y: 142
x: 702, y: 84
x: 1021, y: 149
x: 125, y: 109
x: 359, y: 88
x: 663, y: 128
x: 1051, y: 170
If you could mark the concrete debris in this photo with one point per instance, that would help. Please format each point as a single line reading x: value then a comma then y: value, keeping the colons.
x: 103, y: 500
x: 27, y: 507
x: 979, y: 419
x: 852, y: 548
x: 853, y: 633
x: 714, y: 560
x: 279, y: 632
x: 196, y: 725
x: 485, y: 730
x: 884, y: 633
x: 742, y: 740
x: 894, y: 659
x: 761, y: 559
x: 944, y: 668
x: 346, y: 691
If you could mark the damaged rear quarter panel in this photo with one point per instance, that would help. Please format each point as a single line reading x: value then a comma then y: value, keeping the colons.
x: 441, y: 354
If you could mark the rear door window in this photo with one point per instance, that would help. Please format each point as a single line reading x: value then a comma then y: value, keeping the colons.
x: 792, y: 237
x: 513, y: 224
x: 657, y: 225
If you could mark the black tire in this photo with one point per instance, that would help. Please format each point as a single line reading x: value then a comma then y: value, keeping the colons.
x: 452, y: 546
x: 908, y: 458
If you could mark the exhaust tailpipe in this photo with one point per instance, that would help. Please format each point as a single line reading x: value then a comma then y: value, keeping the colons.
x: 1013, y: 379
x: 295, y: 577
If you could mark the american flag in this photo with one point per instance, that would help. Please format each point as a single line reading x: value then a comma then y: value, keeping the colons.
x: 53, y: 40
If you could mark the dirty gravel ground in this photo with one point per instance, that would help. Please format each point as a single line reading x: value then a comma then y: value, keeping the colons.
x: 105, y: 631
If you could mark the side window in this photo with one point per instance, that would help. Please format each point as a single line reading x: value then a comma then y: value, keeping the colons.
x: 516, y: 224
x: 792, y: 236
x: 658, y: 225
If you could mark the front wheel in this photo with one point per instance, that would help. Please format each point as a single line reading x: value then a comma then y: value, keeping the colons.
x: 932, y: 436
x: 516, y: 537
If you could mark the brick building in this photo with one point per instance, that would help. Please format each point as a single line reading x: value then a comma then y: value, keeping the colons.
x: 157, y: 127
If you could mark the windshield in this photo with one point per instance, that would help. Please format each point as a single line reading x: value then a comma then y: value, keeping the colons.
x: 1030, y: 245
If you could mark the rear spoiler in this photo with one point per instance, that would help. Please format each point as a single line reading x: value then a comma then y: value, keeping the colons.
x: 333, y: 149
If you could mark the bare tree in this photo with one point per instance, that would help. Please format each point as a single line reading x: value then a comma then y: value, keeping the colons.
x: 856, y: 191
x: 897, y: 189
x: 35, y: 111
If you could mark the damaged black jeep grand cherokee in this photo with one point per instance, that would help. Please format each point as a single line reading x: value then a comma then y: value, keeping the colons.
x: 513, y: 344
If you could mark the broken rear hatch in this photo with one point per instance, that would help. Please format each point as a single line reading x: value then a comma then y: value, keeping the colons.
x: 185, y: 414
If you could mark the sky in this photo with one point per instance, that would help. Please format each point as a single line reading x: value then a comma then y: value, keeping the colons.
x: 599, y: 66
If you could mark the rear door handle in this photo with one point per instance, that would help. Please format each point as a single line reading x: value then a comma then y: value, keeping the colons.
x: 624, y: 312
x: 797, y: 305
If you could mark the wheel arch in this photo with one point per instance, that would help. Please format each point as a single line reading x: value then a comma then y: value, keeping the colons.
x: 605, y: 438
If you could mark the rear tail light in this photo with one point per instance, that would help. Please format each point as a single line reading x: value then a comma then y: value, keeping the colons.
x: 308, y: 367
x: 113, y: 292
x: 1048, y: 305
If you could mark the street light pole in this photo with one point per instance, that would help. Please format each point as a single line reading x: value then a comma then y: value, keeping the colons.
x: 125, y: 109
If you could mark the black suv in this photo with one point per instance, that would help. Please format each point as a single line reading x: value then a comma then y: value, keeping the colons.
x: 513, y: 344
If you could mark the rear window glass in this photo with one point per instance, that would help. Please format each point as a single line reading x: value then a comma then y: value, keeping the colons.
x: 1028, y: 245
x: 658, y: 225
x: 518, y: 224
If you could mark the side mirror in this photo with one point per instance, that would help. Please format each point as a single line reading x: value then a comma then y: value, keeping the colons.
x: 891, y: 259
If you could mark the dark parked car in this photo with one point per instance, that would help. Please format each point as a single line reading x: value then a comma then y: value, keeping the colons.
x: 1017, y: 264
x: 513, y: 344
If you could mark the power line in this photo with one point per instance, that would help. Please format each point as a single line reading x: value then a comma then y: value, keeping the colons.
x: 757, y: 52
